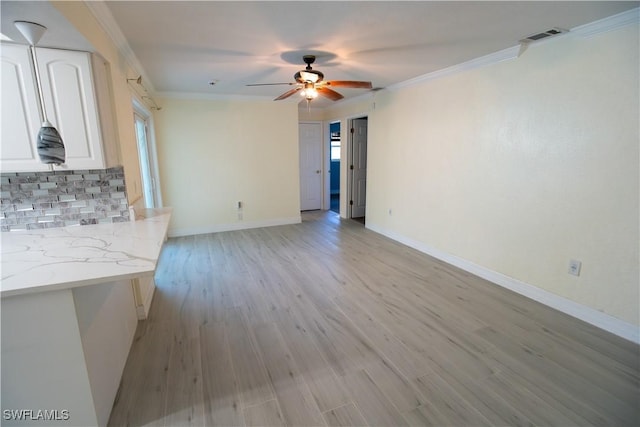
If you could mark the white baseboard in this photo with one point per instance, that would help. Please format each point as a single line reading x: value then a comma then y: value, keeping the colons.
x: 594, y: 317
x: 242, y: 225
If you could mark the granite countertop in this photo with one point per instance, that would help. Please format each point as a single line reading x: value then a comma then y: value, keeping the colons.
x: 68, y: 257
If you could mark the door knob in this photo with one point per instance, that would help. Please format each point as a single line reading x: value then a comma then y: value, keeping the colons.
x: 317, y: 171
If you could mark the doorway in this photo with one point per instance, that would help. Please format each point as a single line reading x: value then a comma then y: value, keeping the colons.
x: 334, y: 168
x: 358, y: 168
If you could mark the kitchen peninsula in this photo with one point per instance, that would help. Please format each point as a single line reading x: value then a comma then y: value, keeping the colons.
x: 69, y: 316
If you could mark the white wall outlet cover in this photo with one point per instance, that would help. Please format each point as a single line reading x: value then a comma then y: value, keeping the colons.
x: 574, y: 267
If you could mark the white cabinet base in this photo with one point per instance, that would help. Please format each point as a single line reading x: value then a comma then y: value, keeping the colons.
x: 64, y: 352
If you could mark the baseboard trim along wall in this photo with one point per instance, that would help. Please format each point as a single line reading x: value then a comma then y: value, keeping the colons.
x: 587, y: 314
x: 244, y: 225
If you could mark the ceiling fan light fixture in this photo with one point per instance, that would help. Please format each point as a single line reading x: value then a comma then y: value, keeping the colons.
x: 309, y: 91
x: 309, y: 94
x: 310, y: 83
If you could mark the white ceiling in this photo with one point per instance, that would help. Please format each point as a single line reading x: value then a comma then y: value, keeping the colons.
x: 59, y: 33
x: 183, y: 45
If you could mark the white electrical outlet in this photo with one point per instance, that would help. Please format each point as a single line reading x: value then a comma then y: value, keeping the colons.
x: 574, y: 267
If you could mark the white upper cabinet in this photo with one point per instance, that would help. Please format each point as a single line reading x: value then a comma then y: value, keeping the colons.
x: 78, y: 103
x: 20, y: 113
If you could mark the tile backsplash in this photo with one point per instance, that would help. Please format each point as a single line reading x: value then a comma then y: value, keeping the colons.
x: 33, y: 200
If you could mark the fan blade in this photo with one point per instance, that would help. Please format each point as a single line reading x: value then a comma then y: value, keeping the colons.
x: 287, y: 94
x: 271, y: 84
x: 349, y: 83
x: 328, y: 93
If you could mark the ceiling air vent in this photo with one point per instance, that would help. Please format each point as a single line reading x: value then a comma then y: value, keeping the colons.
x: 545, y: 34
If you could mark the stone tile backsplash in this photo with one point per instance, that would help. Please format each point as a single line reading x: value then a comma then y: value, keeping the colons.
x: 32, y: 200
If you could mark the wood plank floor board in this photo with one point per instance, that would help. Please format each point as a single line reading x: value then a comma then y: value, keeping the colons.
x: 142, y: 393
x: 344, y: 416
x: 293, y: 395
x: 623, y: 388
x: 423, y: 417
x: 411, y: 364
x: 531, y: 314
x: 629, y: 374
x: 342, y: 345
x: 541, y: 339
x: 328, y: 323
x: 172, y: 284
x: 184, y: 401
x: 397, y: 388
x: 374, y: 406
x: 532, y: 368
x: 327, y: 391
x: 220, y: 389
x: 253, y: 383
x: 485, y: 400
x: 265, y: 414
x: 429, y: 342
x: 409, y: 289
x: 539, y: 411
x: 575, y: 330
x: 194, y: 310
x: 449, y: 408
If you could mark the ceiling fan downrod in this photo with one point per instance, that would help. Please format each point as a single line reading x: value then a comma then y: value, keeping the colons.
x: 309, y: 59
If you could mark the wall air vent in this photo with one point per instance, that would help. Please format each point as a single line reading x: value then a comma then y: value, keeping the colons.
x: 544, y: 35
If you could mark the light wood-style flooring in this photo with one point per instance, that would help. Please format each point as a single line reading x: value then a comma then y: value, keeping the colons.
x: 328, y: 323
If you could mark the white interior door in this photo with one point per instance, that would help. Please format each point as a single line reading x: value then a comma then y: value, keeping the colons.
x: 359, y: 168
x: 310, y: 140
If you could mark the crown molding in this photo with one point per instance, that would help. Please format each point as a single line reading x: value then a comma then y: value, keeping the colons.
x: 483, y: 61
x: 610, y: 23
x: 101, y: 12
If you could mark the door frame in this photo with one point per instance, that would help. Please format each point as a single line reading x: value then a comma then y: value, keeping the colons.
x: 141, y: 109
x: 349, y: 156
x: 326, y: 156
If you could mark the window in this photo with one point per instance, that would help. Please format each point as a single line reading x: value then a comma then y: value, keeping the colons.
x: 335, y: 145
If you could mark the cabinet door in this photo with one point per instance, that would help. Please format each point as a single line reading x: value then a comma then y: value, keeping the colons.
x: 20, y: 112
x: 67, y: 83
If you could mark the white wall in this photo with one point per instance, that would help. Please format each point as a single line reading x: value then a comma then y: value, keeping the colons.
x: 214, y: 153
x: 520, y: 166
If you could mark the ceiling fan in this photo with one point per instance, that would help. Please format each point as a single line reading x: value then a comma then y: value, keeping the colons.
x: 310, y: 83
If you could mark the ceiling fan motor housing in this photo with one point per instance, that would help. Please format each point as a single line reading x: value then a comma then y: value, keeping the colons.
x: 309, y: 75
